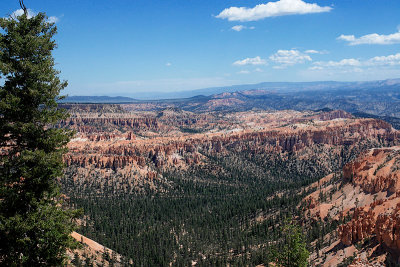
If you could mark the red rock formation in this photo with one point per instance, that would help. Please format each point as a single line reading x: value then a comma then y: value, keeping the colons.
x: 121, y: 154
x: 369, y: 192
x: 376, y: 171
x: 133, y: 146
x: 387, y: 229
x: 365, y: 224
x: 372, y: 171
x: 361, y: 226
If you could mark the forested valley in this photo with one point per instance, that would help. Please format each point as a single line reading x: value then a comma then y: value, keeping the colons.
x: 214, y: 204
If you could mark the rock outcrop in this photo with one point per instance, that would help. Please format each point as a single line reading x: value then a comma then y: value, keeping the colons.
x: 136, y: 148
x: 367, y: 197
x: 128, y: 149
x: 377, y: 171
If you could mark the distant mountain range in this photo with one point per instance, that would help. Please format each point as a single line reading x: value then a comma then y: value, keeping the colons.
x: 378, y: 98
x: 273, y: 87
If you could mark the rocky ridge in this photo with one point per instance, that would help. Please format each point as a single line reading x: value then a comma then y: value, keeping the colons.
x: 370, y: 198
x: 131, y: 152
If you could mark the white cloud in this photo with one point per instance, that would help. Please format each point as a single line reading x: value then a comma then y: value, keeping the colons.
x: 344, y: 66
x: 20, y: 12
x: 356, y: 64
x: 250, y: 61
x: 271, y: 9
x: 53, y: 19
x: 372, y: 38
x: 31, y: 13
x: 168, y: 64
x: 250, y: 71
x: 238, y: 28
x: 390, y: 60
x: 289, y: 58
x: 342, y: 63
x: 312, y: 51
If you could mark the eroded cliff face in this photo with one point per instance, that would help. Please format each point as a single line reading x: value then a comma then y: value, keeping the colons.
x: 370, y: 197
x: 377, y: 171
x: 129, y: 150
x: 119, y: 150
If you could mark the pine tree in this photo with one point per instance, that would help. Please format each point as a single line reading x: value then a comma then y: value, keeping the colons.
x: 76, y: 261
x: 34, y: 227
x: 294, y: 252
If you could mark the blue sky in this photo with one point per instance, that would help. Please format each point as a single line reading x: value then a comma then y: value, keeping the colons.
x: 124, y: 47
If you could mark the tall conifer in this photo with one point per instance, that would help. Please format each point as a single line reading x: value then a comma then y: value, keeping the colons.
x: 34, y: 227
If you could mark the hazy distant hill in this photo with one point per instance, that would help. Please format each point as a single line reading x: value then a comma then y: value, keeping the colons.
x: 276, y: 87
x: 380, y: 98
x: 282, y: 87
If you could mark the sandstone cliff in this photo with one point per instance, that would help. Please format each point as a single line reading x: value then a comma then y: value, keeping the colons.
x: 127, y: 149
x: 370, y: 198
x: 377, y: 171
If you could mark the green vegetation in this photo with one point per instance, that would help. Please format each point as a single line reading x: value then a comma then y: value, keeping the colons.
x: 34, y: 228
x: 291, y: 251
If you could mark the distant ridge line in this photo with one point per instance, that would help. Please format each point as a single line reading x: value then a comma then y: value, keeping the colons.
x: 273, y: 87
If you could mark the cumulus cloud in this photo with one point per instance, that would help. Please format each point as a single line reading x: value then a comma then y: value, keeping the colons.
x: 372, y: 38
x: 356, y: 64
x: 390, y: 60
x: 289, y: 58
x: 250, y: 61
x: 238, y: 28
x: 271, y: 9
